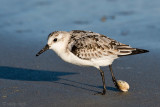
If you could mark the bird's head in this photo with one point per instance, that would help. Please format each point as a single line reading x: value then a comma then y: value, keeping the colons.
x: 57, y: 41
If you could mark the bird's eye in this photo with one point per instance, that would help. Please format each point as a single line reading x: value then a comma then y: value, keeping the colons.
x: 55, y: 40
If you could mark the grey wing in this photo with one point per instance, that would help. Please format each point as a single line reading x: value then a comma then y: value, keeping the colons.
x: 87, y: 48
x: 89, y: 45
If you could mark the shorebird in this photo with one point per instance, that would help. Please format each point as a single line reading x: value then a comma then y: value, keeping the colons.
x: 86, y: 48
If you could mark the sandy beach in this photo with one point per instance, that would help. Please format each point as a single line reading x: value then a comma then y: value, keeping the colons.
x: 47, y: 81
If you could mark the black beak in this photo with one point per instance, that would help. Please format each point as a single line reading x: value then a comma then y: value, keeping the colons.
x: 43, y: 50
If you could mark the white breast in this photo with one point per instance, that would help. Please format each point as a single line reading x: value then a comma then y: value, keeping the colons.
x: 71, y: 58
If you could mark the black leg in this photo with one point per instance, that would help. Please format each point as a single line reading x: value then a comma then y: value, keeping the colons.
x: 113, y: 78
x: 104, y: 85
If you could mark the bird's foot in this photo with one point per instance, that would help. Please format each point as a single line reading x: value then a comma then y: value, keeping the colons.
x: 101, y: 93
x: 116, y: 85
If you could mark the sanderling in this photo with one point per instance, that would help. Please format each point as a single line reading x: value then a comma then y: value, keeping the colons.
x: 86, y: 48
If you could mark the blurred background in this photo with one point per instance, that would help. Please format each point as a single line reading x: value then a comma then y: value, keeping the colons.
x: 25, y: 25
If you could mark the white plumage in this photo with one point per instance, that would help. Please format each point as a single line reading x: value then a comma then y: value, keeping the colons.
x: 87, y: 48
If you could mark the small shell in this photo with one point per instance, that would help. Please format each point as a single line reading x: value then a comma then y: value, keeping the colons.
x: 123, y: 85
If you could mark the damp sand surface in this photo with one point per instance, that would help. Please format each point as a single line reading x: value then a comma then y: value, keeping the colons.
x: 47, y: 81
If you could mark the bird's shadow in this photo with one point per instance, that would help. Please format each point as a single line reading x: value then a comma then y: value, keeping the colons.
x: 101, y: 87
x: 22, y: 74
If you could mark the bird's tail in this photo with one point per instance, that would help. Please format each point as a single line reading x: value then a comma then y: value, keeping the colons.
x: 136, y: 51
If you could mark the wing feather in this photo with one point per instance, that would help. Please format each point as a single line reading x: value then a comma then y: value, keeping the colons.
x: 89, y: 45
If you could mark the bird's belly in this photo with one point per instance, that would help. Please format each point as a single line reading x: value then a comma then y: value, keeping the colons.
x: 104, y: 61
x: 78, y: 61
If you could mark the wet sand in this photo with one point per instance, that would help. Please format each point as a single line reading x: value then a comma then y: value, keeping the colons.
x: 47, y: 81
